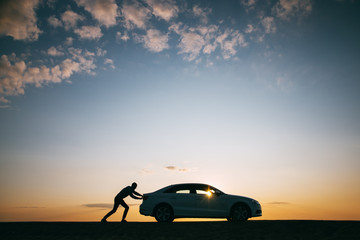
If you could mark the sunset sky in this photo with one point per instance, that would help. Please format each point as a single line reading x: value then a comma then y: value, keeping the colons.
x: 257, y: 98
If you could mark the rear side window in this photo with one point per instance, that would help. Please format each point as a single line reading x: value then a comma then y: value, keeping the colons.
x: 183, y: 191
x: 179, y: 190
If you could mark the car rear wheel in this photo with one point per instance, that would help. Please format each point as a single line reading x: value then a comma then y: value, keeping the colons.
x: 164, y: 213
x: 239, y: 213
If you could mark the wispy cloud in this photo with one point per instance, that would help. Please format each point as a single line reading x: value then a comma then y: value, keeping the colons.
x: 98, y: 205
x: 191, y: 44
x: 104, y: 11
x: 285, y: 9
x: 89, y: 32
x: 269, y: 24
x: 230, y: 45
x: 110, y: 62
x: 145, y: 171
x: 52, y: 51
x: 154, y: 40
x: 248, y: 3
x: 70, y: 19
x: 173, y: 168
x: 18, y: 19
x: 278, y: 203
x: 165, y: 9
x: 135, y: 15
x: 122, y: 36
x: 202, y: 13
x: 16, y: 74
x: 105, y: 205
x: 27, y: 207
x: 55, y: 22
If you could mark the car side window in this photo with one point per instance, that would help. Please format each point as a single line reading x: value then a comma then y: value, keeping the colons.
x: 178, y: 190
x: 183, y: 191
x: 200, y: 191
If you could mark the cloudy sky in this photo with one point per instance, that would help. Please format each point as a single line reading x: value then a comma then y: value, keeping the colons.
x: 258, y: 98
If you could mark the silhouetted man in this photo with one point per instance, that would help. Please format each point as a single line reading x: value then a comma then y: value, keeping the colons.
x: 119, y: 199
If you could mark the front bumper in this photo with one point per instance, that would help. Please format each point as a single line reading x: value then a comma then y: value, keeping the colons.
x: 257, y: 208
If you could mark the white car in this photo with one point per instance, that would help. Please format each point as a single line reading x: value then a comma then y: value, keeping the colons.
x: 195, y: 200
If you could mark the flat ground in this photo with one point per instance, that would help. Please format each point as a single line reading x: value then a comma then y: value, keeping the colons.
x: 183, y: 230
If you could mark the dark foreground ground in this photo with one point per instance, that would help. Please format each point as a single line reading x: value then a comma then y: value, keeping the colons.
x: 183, y: 230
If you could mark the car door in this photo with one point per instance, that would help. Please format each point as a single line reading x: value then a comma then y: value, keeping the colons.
x: 210, y: 204
x: 184, y: 202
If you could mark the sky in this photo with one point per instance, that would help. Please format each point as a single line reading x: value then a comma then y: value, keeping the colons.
x: 257, y: 98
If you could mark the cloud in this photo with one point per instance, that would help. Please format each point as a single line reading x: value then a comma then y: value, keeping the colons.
x: 98, y: 205
x: 52, y: 51
x: 69, y: 41
x: 229, y: 41
x: 248, y: 3
x: 145, y: 171
x: 173, y: 168
x: 4, y: 100
x: 250, y: 28
x: 89, y: 32
x: 34, y: 207
x: 11, y: 76
x: 202, y: 13
x: 70, y: 19
x: 165, y: 9
x: 285, y: 9
x: 18, y: 19
x: 154, y: 40
x: 191, y: 44
x: 110, y: 62
x: 278, y: 203
x: 268, y: 24
x: 100, y: 52
x: 122, y: 36
x: 206, y: 39
x: 15, y: 74
x: 135, y: 15
x: 104, y: 11
x: 105, y: 205
x: 53, y: 21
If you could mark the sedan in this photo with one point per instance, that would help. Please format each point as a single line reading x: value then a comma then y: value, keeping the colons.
x: 196, y: 200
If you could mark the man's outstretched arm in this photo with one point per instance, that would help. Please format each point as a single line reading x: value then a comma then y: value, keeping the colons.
x: 135, y: 197
x: 137, y: 194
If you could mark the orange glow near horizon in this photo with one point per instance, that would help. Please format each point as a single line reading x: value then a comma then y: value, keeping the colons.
x: 327, y: 210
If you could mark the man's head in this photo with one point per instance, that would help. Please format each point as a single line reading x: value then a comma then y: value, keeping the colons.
x: 133, y: 185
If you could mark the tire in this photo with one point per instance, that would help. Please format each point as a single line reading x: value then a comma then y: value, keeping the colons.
x: 239, y: 213
x: 164, y: 213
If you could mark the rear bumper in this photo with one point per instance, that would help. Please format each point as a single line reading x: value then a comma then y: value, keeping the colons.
x: 144, y: 210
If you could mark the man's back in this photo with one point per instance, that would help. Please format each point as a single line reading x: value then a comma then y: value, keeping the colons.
x: 125, y: 192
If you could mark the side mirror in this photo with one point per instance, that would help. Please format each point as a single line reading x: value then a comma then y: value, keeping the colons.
x: 217, y: 193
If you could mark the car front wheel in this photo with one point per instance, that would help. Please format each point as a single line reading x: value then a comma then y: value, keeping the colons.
x: 164, y: 213
x: 239, y: 213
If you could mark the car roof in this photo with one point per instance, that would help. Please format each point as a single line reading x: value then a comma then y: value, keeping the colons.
x: 184, y: 185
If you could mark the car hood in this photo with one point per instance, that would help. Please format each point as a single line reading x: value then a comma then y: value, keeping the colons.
x: 239, y: 197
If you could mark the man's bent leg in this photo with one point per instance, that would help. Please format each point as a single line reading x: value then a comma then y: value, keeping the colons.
x: 116, y: 205
x: 122, y: 202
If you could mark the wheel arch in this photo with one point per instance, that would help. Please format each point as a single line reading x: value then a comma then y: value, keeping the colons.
x: 159, y: 204
x: 240, y: 203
